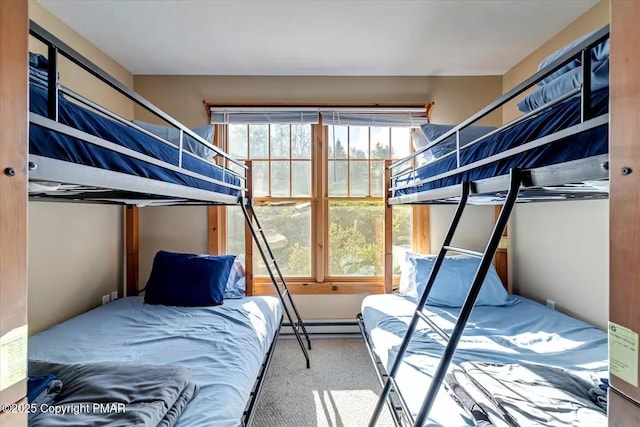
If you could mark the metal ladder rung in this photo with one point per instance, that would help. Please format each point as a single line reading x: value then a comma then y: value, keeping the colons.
x: 463, y: 251
x: 433, y: 325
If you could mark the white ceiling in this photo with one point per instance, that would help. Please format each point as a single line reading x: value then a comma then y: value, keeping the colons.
x: 316, y: 37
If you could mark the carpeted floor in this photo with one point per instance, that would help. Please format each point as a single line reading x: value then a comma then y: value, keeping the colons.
x: 340, y: 389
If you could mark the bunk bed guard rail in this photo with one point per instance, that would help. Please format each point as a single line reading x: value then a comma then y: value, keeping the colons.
x: 582, y: 50
x: 56, y: 47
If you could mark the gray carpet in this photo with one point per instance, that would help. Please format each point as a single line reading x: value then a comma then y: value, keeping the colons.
x: 340, y: 389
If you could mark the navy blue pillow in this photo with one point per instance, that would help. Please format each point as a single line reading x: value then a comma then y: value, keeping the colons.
x: 188, y: 280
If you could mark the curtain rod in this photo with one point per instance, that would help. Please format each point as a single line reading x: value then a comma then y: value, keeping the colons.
x: 354, y: 110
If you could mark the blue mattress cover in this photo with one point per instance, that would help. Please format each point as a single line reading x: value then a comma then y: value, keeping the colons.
x: 561, y: 116
x: 223, y: 346
x: 526, y: 332
x: 47, y: 143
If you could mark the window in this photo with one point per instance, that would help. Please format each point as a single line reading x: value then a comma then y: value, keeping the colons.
x: 355, y: 211
x: 288, y: 171
x: 282, y: 184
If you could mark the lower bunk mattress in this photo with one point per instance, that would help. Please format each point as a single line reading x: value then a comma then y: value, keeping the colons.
x: 526, y: 333
x: 223, y: 347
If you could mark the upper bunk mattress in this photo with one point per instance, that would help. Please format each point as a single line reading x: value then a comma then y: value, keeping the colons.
x: 47, y: 143
x: 526, y: 332
x: 223, y: 346
x: 585, y: 144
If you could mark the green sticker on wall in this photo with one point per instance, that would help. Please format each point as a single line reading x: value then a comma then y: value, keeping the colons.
x: 623, y: 353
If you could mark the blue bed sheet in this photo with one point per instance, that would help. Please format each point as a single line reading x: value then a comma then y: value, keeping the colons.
x: 526, y: 332
x: 44, y: 142
x: 586, y: 144
x: 223, y: 346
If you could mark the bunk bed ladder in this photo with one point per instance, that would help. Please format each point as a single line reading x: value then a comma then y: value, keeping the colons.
x: 278, y: 282
x: 451, y: 341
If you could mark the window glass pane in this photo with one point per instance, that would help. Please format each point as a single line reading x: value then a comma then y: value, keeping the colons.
x: 258, y: 141
x: 337, y: 142
x: 280, y: 179
x: 260, y: 179
x: 356, y: 235
x: 280, y: 141
x: 235, y: 230
x: 377, y: 179
x: 288, y: 230
x: 379, y: 143
x: 400, y: 142
x: 238, y: 141
x: 301, y: 180
x: 337, y: 178
x: 358, y: 178
x: 301, y: 141
x: 401, y: 220
x: 358, y: 142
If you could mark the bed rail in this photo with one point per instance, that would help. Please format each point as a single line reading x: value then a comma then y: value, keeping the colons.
x: 406, y: 166
x: 222, y: 160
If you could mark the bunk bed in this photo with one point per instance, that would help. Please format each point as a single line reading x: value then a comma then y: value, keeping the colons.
x: 456, y: 363
x: 80, y: 151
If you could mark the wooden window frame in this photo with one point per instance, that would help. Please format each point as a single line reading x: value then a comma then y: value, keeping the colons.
x: 319, y: 282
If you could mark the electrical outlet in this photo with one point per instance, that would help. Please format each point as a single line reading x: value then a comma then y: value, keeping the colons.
x: 114, y: 295
x: 551, y: 304
x: 105, y: 299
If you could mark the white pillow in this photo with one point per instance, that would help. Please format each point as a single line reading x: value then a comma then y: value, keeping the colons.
x: 236, y: 286
x: 407, y: 285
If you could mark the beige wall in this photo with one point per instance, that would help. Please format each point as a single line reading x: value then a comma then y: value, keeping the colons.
x: 74, y: 250
x: 170, y: 228
x: 74, y: 259
x: 560, y: 250
x: 181, y: 96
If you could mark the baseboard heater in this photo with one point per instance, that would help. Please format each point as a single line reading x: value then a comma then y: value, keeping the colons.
x: 326, y: 328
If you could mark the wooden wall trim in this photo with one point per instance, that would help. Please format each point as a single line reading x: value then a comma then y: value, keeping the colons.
x: 248, y: 239
x: 624, y: 166
x: 421, y: 229
x: 319, y: 178
x: 325, y: 288
x: 217, y: 215
x: 13, y: 183
x: 501, y: 257
x: 623, y: 412
x: 216, y: 228
x: 132, y: 243
x: 388, y: 231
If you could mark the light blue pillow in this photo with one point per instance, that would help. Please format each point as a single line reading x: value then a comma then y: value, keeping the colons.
x: 189, y: 143
x: 599, y: 53
x: 432, y: 132
x: 454, y: 281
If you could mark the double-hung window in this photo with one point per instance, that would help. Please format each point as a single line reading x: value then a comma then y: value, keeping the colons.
x: 318, y: 190
x: 355, y: 211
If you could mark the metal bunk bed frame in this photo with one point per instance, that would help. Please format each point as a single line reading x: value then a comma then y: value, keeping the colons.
x: 519, y: 185
x: 80, y: 183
